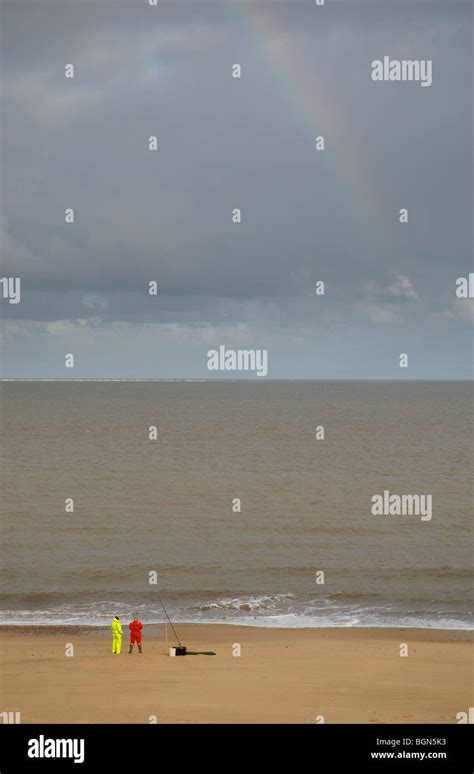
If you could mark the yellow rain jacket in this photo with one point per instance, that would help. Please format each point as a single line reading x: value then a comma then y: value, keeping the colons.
x: 116, y: 636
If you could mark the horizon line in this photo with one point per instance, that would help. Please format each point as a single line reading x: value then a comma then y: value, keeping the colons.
x: 241, y: 379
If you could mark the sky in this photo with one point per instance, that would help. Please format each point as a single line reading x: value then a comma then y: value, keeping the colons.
x: 223, y: 143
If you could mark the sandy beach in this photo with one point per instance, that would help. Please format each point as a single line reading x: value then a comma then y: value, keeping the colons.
x: 281, y: 676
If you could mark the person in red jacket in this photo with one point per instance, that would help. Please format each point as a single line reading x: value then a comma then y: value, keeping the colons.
x: 135, y: 634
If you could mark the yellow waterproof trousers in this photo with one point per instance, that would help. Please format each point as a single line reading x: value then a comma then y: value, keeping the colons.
x: 116, y: 643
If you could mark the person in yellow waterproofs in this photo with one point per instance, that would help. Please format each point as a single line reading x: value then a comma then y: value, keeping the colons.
x: 116, y: 635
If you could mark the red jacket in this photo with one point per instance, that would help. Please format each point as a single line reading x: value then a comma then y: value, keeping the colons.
x: 135, y: 626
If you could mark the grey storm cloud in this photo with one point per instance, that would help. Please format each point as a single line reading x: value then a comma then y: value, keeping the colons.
x: 165, y: 216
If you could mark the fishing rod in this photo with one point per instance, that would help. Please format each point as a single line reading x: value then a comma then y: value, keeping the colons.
x: 181, y: 650
x: 169, y: 620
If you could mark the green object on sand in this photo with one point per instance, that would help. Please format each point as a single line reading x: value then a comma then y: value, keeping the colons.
x: 200, y: 653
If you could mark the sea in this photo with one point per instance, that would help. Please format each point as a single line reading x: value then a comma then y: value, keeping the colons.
x: 237, y: 502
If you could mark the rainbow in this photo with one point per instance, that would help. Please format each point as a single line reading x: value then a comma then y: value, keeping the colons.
x: 311, y: 99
